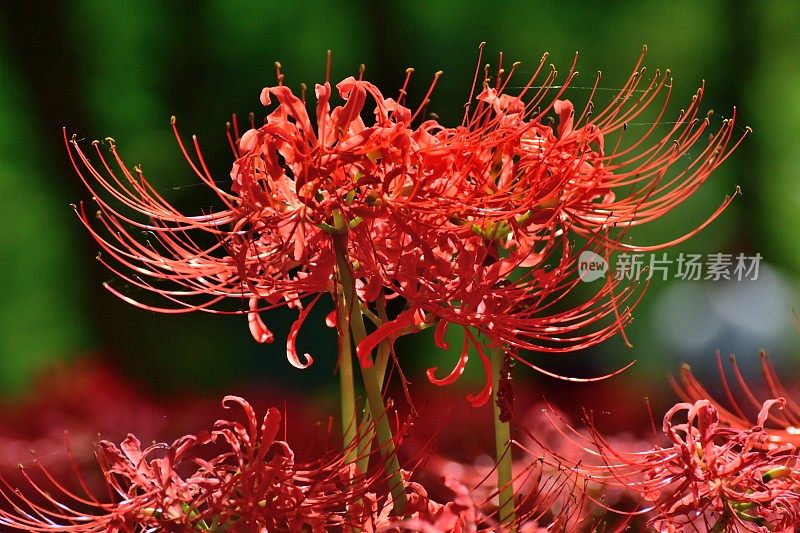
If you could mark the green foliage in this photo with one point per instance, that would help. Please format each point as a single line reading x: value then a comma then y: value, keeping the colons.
x: 41, y: 317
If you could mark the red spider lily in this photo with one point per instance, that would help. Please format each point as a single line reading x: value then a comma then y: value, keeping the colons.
x: 522, y: 186
x: 519, y: 309
x: 468, y: 225
x: 237, y: 476
x: 784, y: 423
x: 296, y: 192
x: 516, y: 171
x: 708, y: 477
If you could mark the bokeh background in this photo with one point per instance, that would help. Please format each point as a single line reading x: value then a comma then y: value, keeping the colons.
x: 121, y: 69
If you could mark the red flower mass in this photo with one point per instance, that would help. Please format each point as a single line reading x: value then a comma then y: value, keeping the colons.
x: 707, y: 477
x: 782, y: 426
x: 472, y: 225
x: 237, y: 476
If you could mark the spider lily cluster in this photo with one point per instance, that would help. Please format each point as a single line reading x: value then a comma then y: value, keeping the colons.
x: 471, y: 225
x: 410, y: 224
x: 706, y: 476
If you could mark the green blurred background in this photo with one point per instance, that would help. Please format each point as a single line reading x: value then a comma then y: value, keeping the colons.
x: 121, y: 69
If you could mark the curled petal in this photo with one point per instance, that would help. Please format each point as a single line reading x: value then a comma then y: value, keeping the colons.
x: 438, y: 335
x: 763, y: 414
x: 269, y: 430
x: 261, y: 333
x: 385, y: 331
x: 291, y: 338
x: 457, y: 371
x: 565, y: 111
x: 356, y: 95
x: 477, y: 400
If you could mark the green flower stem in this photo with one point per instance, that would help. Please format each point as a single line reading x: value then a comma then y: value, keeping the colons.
x: 381, y: 362
x: 385, y: 347
x: 502, y: 444
x: 347, y: 391
x: 385, y: 438
x: 365, y: 444
x: 373, y: 385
